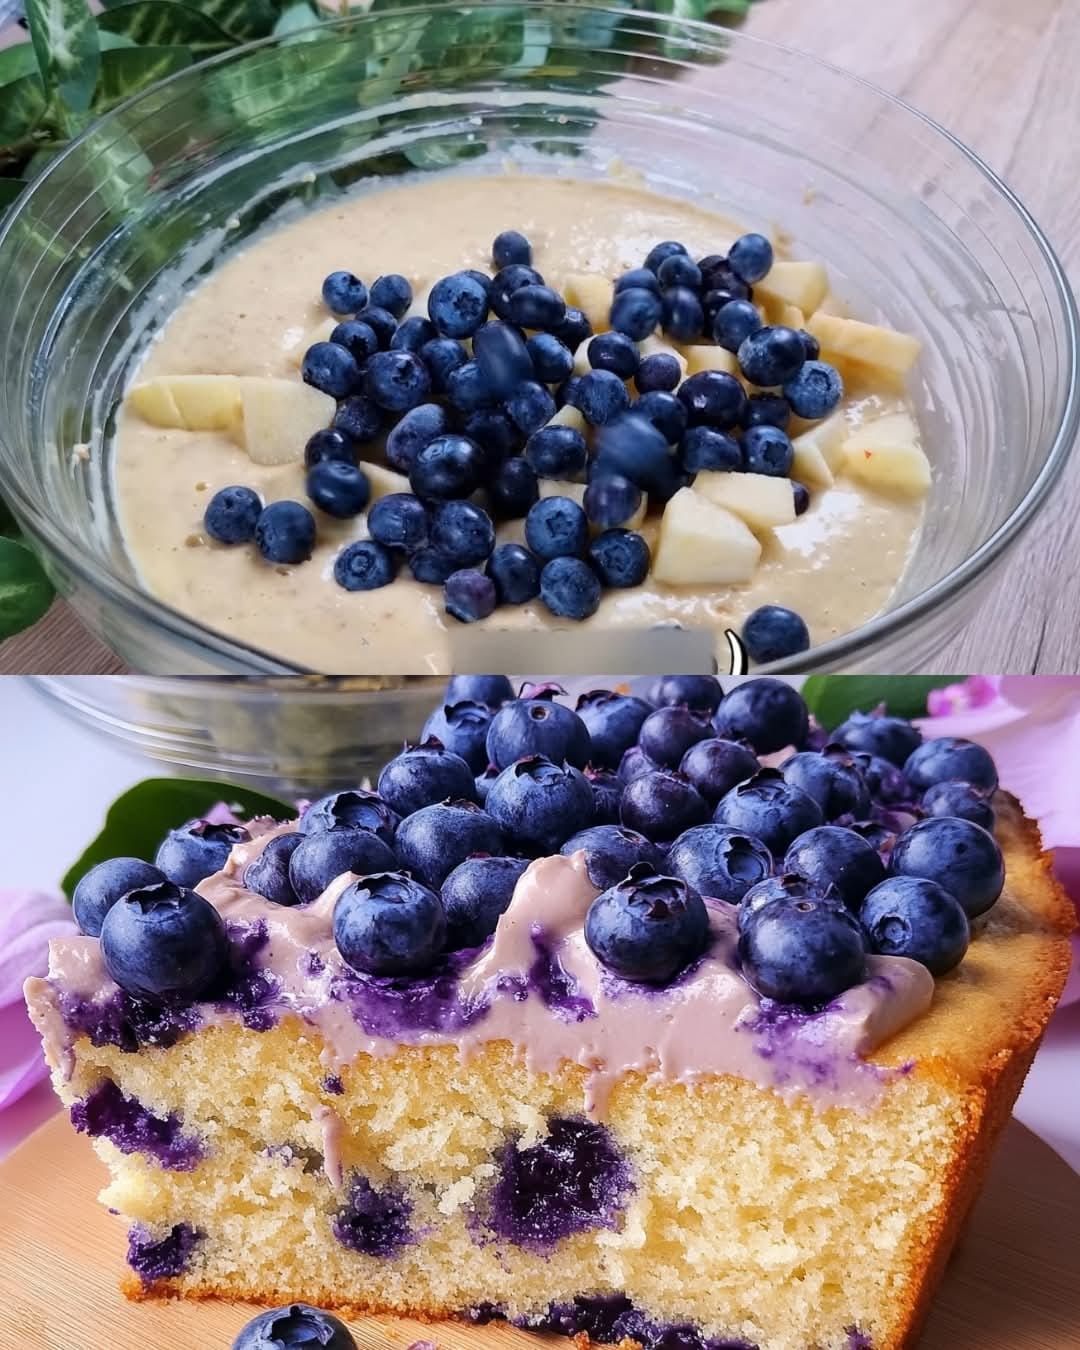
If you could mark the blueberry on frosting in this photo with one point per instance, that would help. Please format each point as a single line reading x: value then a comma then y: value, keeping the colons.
x: 719, y: 862
x: 389, y: 924
x: 770, y: 809
x: 164, y: 942
x: 916, y: 918
x: 540, y: 803
x: 356, y: 808
x: 831, y: 856
x: 100, y: 888
x: 268, y: 874
x: 957, y: 854
x: 802, y: 950
x: 611, y: 851
x: 474, y: 895
x: 647, y: 927
x: 321, y: 857
x: 197, y: 850
x: 534, y: 724
x: 432, y: 841
x: 423, y: 774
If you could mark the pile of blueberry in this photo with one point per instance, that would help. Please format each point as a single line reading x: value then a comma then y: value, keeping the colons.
x: 667, y: 798
x: 467, y: 403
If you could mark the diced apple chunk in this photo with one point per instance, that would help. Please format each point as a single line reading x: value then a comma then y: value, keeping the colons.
x: 702, y: 544
x: 279, y: 417
x: 878, y: 351
x: 709, y: 357
x: 760, y: 500
x: 791, y: 316
x: 592, y: 295
x: 654, y: 346
x: 319, y: 333
x: 384, y: 481
x: 558, y: 487
x: 804, y: 284
x: 819, y: 450
x: 582, y: 364
x: 569, y: 416
x: 193, y: 402
x: 885, y: 454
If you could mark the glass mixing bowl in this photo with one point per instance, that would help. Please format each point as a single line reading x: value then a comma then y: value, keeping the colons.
x: 914, y: 228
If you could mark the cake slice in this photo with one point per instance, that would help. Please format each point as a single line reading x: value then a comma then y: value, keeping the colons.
x: 527, y: 1128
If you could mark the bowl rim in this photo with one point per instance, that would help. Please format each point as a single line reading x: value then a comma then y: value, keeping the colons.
x: 890, y: 623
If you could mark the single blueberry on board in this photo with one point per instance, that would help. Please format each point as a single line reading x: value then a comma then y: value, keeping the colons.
x: 916, y: 918
x: 475, y: 894
x: 647, y: 927
x: 232, y: 514
x: 767, y: 713
x: 611, y: 851
x: 285, y: 533
x: 539, y: 804
x: 515, y: 574
x: 389, y: 924
x: 770, y: 809
x: 164, y: 943
x: 268, y: 874
x: 620, y: 558
x: 661, y: 804
x: 802, y: 951
x: 297, y: 1325
x: 831, y: 856
x: 321, y: 857
x: 344, y: 293
x: 569, y: 588
x: 197, y: 850
x: 330, y: 369
x: 719, y: 862
x: 957, y: 854
x: 613, y: 721
x: 432, y: 841
x: 364, y: 565
x: 100, y: 888
x: 469, y: 595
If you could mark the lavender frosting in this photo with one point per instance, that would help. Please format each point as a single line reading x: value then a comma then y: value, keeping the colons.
x: 534, y: 984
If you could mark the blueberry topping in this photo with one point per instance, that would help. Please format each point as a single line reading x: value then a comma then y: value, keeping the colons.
x: 491, y: 690
x: 399, y: 521
x: 668, y: 732
x: 458, y: 305
x: 511, y: 246
x: 285, y: 533
x: 573, y: 330
x: 607, y: 793
x: 268, y: 874
x: 343, y: 293
x: 661, y: 804
x: 298, y: 1325
x: 449, y: 466
x: 620, y: 558
x: 389, y: 924
x: 232, y: 514
x: 506, y: 281
x: 679, y: 269
x: 614, y: 352
x: 601, y: 397
x: 381, y: 321
x: 494, y: 432
x: 537, y: 726
x: 514, y: 489
x: 100, y: 888
x: 330, y: 443
x: 886, y: 782
x: 165, y: 943
x: 423, y: 774
x: 331, y: 369
x: 475, y: 894
x: 715, y: 766
x: 712, y: 398
x: 719, y: 862
x: 832, y: 778
x: 442, y: 357
x: 802, y: 497
x: 830, y: 856
x: 665, y: 412
x: 696, y: 691
x: 337, y: 488
x: 463, y: 532
x: 364, y: 566
x: 705, y: 449
x: 556, y: 452
x: 957, y: 854
x: 634, y: 449
x: 681, y: 314
x: 539, y: 803
x: 417, y: 428
x: 552, y: 361
x: 659, y: 373
x: 772, y: 356
x: 358, y: 418
x: 611, y: 500
x: 321, y: 857
x: 784, y: 887
x: 734, y: 322
x: 569, y: 588
x: 660, y: 252
x: 916, y: 918
x: 635, y: 763
x: 636, y: 312
x: 515, y: 574
x: 613, y: 721
x: 804, y: 951
x: 462, y: 726
x: 766, y: 410
x: 766, y: 712
x: 767, y: 450
x: 392, y: 293
x: 647, y: 927
x: 769, y: 808
x: 815, y: 391
x: 358, y: 338
x: 396, y: 380
x: 961, y: 800
x: 751, y: 257
x: 432, y: 841
x: 950, y: 758
x: 534, y: 306
x: 500, y: 351
x: 469, y: 595
x: 197, y: 850
x: 611, y: 851
x: 890, y: 738
x: 354, y: 808
x: 556, y: 527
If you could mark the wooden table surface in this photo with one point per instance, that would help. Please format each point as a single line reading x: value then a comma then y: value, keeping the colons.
x: 1001, y: 74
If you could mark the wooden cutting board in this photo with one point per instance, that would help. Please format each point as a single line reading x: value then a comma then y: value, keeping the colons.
x: 1014, y: 1282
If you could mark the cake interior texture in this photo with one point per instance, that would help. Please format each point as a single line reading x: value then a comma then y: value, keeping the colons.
x: 684, y: 1215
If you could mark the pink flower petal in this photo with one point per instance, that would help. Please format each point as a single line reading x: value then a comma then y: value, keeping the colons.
x: 22, y: 1063
x: 28, y: 919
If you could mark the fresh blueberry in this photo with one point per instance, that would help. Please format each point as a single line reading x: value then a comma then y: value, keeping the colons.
x: 462, y: 726
x: 232, y: 513
x: 537, y: 725
x: 679, y: 269
x: 766, y: 712
x: 634, y: 764
x: 613, y: 721
x: 950, y: 758
x: 659, y: 374
x: 359, y: 418
x: 298, y: 1325
x: 483, y: 782
x: 636, y: 312
x: 469, y: 595
x: 772, y: 810
x: 815, y: 391
x: 614, y: 352
x: 197, y: 850
x: 494, y: 433
x: 660, y: 252
x: 569, y: 588
x: 607, y: 793
x: 611, y: 500
x: 573, y: 330
x: 416, y: 429
x: 539, y: 803
x: 343, y: 293
x: 637, y: 277
x: 535, y: 306
x: 611, y: 851
x: 715, y: 298
x: 458, y: 305
x: 423, y: 774
x: 499, y: 350
x: 696, y: 691
x: 442, y: 357
x: 620, y: 558
x: 399, y: 521
x: 515, y: 574
x: 703, y: 449
x: 392, y: 293
x: 886, y: 782
x: 530, y: 407
x: 341, y: 490
x: 960, y: 800
x: 667, y: 734
x: 364, y: 565
x: 434, y: 840
x: 750, y: 257
x: 802, y: 497
x: 832, y: 778
x: 511, y: 246
x: 556, y: 527
x: 413, y: 335
x: 268, y: 874
x: 734, y: 323
x: 767, y: 450
x: 772, y: 632
x: 557, y: 452
x: 830, y: 856
x: 715, y: 766
x: 665, y: 412
x: 389, y: 924
x: 449, y: 466
x: 514, y: 488
x: 329, y: 443
x: 463, y: 532
x: 330, y: 368
x: 719, y: 862
x: 358, y: 338
x: 355, y: 809
x: 506, y: 281
x: 717, y: 273
x: 783, y: 887
x: 567, y: 392
x: 430, y: 566
x: 552, y: 361
x: 766, y: 410
x: 396, y: 381
x: 916, y: 918
x: 164, y: 942
x: 647, y: 928
x: 681, y: 314
x: 957, y: 854
x: 633, y: 448
x: 321, y: 857
x: 661, y: 804
x: 492, y: 690
x: 876, y: 733
x: 804, y: 951
x: 712, y: 398
x: 811, y: 345
x: 100, y: 888
x: 475, y: 894
x: 772, y: 356
x: 382, y: 322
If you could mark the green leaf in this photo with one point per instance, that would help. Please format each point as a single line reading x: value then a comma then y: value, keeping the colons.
x: 140, y: 818
x: 25, y: 591
x: 10, y: 190
x: 164, y: 23
x: 65, y: 40
x: 126, y: 70
x: 16, y: 61
x: 832, y: 698
x: 242, y: 20
x: 8, y: 524
x: 22, y: 107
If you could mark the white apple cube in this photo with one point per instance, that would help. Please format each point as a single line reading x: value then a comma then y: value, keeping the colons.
x: 883, y: 352
x: 193, y: 402
x: 760, y: 500
x: 569, y: 416
x: 582, y: 364
x: 592, y: 295
x: 702, y: 544
x: 279, y: 416
x: 384, y: 481
x: 804, y: 284
x: 885, y: 454
x: 709, y: 357
x: 819, y: 450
